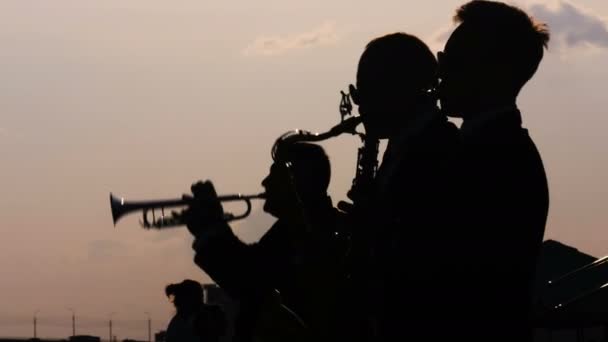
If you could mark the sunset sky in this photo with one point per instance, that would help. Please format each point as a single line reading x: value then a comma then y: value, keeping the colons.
x: 144, y: 97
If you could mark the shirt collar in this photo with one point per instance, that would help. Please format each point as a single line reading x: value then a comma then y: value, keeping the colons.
x: 470, y: 126
x: 422, y: 120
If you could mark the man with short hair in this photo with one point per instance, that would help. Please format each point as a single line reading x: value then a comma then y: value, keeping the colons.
x: 405, y: 224
x: 487, y: 60
x: 298, y: 257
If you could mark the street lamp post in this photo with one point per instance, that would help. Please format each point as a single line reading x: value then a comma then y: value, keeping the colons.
x: 35, y: 322
x: 73, y: 321
x: 149, y: 327
x: 111, y: 313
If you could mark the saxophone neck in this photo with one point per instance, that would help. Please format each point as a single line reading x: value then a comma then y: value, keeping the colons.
x: 346, y: 126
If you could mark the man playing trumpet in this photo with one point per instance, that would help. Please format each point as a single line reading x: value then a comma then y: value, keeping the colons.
x: 299, y: 253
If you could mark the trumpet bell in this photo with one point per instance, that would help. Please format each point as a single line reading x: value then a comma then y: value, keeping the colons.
x: 117, y: 206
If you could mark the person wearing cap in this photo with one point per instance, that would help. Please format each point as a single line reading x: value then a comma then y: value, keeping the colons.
x: 194, y: 321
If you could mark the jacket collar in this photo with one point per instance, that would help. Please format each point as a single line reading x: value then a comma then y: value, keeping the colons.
x: 493, y: 118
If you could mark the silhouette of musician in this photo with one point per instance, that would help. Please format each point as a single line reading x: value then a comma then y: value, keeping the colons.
x: 492, y: 54
x: 410, y: 204
x: 297, y: 257
x: 194, y: 321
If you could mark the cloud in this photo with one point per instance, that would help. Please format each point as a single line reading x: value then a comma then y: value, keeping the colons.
x: 326, y: 34
x: 571, y: 26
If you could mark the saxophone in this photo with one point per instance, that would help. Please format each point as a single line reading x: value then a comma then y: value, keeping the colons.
x: 367, y: 164
x: 367, y: 154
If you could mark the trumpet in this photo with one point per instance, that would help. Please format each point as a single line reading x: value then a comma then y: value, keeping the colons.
x: 120, y: 207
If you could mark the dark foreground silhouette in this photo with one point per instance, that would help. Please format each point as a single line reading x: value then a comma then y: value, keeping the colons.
x: 441, y: 241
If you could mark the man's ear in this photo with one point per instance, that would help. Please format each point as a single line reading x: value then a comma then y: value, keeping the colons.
x: 354, y: 94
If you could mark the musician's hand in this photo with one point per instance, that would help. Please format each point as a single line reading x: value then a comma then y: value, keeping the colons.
x: 205, y: 208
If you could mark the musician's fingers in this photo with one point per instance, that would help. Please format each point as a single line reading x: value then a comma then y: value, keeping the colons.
x: 197, y: 188
x: 200, y: 215
x: 196, y: 219
x: 204, y: 207
x: 204, y: 190
x: 191, y: 222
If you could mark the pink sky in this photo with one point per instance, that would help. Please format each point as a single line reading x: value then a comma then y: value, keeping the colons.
x: 142, y: 98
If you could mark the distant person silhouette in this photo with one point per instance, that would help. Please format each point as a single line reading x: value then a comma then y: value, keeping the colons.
x: 487, y: 60
x: 408, y: 216
x: 194, y: 321
x: 298, y: 256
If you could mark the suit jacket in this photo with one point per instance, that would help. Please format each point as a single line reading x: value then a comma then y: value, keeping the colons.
x: 410, y: 221
x: 502, y: 216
